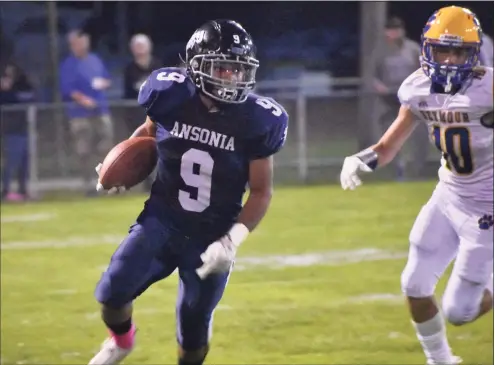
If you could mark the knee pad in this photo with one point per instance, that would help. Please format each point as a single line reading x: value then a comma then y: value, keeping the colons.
x: 134, y: 266
x: 418, y: 280
x: 461, y: 301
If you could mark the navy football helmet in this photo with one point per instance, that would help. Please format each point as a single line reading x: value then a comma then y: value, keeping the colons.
x: 221, y: 60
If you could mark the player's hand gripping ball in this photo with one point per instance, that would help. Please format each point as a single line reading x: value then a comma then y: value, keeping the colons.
x: 127, y: 164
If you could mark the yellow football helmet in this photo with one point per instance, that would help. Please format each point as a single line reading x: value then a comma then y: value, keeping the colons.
x: 451, y: 44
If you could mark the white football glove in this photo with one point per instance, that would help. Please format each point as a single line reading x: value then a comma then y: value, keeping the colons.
x: 114, y: 190
x: 349, y: 178
x: 218, y: 257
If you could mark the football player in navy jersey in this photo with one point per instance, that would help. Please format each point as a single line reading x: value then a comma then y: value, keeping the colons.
x: 214, y: 138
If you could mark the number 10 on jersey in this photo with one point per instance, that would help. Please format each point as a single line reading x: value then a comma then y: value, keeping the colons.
x: 455, y: 144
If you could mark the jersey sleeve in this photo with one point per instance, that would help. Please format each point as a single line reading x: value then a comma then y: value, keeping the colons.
x: 409, y: 87
x: 163, y: 90
x: 404, y: 93
x: 481, y: 93
x: 275, y: 120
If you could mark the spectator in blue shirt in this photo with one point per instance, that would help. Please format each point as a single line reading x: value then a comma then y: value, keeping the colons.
x: 15, y: 88
x: 83, y: 81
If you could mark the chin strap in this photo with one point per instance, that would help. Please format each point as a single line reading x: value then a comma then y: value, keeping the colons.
x: 448, y: 86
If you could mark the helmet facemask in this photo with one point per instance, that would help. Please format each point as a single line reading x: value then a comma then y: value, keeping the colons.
x: 449, y: 61
x: 228, y: 79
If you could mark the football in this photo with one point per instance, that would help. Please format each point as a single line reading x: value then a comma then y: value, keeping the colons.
x: 129, y: 163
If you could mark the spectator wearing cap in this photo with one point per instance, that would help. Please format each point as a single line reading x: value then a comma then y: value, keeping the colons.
x: 135, y: 73
x: 394, y: 61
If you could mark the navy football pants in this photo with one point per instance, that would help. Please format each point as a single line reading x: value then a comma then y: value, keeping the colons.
x: 150, y: 253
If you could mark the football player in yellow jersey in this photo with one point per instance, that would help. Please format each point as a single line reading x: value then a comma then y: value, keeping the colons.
x: 454, y: 97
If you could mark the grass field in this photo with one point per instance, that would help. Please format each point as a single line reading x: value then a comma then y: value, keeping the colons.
x: 317, y: 283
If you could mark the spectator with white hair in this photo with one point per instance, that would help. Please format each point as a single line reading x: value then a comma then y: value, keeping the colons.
x: 135, y: 73
x: 140, y: 67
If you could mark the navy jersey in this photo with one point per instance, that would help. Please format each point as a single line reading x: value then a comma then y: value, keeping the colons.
x: 203, y: 156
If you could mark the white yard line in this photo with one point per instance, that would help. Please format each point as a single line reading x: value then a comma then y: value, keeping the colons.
x: 332, y: 258
x: 74, y: 241
x: 387, y: 298
x: 336, y: 257
x: 379, y: 297
x: 27, y: 218
x: 62, y: 292
x: 327, y: 258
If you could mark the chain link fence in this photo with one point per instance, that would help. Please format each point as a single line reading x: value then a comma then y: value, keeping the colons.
x: 323, y: 130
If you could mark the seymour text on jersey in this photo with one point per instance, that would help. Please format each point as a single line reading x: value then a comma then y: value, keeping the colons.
x: 445, y: 116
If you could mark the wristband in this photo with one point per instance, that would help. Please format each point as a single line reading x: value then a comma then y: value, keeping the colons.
x: 238, y: 233
x: 369, y: 157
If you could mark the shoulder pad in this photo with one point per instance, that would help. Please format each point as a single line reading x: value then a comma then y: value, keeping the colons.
x: 484, y: 76
x: 270, y: 121
x: 165, y: 89
x: 481, y: 89
x: 411, y: 84
x: 479, y: 72
x: 265, y: 112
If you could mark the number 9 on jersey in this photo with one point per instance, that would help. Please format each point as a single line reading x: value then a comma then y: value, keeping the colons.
x: 199, y: 179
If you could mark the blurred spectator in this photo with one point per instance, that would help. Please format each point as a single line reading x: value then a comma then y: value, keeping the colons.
x: 398, y: 58
x: 140, y: 67
x: 486, y: 51
x: 83, y: 79
x: 6, y: 49
x: 15, y: 88
x: 135, y: 74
